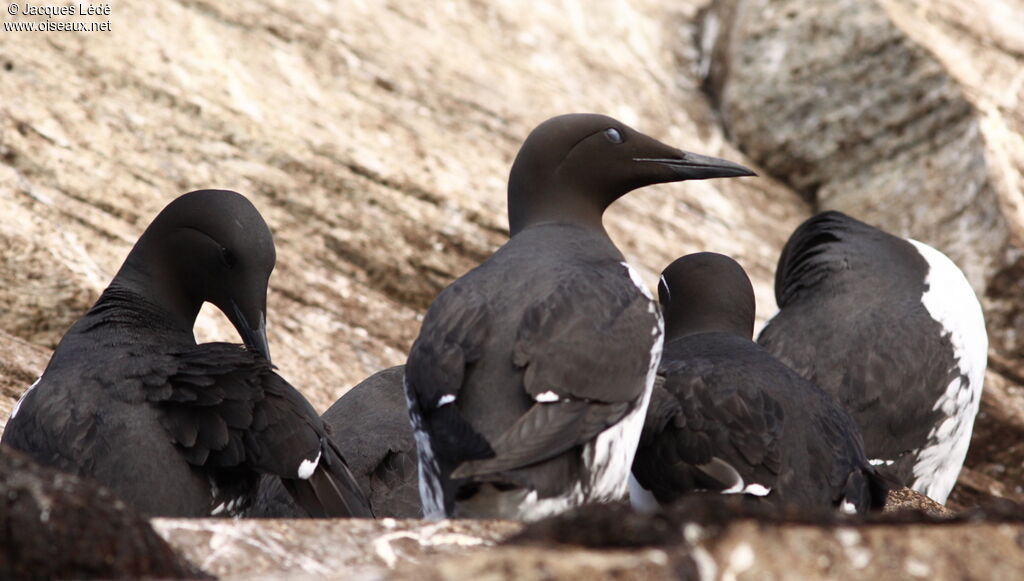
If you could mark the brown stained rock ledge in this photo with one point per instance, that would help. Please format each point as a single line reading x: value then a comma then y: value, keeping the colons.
x: 703, y: 537
x: 323, y: 549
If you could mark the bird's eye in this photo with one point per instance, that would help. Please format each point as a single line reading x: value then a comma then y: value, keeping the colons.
x: 227, y: 257
x: 613, y: 135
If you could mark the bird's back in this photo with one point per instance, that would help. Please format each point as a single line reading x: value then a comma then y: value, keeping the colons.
x: 775, y: 427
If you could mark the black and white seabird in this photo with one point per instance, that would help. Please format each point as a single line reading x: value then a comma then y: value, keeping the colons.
x: 370, y: 425
x: 893, y: 330
x: 175, y: 428
x: 530, y: 378
x: 727, y: 416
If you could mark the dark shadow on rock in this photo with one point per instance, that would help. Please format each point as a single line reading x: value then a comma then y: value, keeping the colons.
x: 58, y: 526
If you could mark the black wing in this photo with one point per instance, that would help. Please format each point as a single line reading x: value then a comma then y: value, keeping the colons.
x: 226, y: 409
x: 585, y: 351
x: 837, y: 454
x: 370, y: 424
x: 889, y: 383
x: 451, y: 339
x: 701, y: 433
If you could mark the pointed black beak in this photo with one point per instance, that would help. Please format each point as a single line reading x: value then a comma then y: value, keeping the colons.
x: 255, y: 338
x: 693, y: 166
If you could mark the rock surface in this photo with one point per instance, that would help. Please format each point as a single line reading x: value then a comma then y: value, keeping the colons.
x: 339, y: 548
x: 376, y: 139
x: 698, y: 539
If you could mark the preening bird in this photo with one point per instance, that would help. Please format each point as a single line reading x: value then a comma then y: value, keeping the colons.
x: 370, y: 425
x: 173, y: 427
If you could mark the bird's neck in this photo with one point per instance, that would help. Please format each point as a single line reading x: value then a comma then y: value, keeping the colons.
x: 151, y: 296
x: 531, y: 207
x: 679, y: 325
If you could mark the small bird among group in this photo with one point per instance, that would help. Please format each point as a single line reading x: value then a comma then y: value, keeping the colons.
x: 529, y: 381
x: 892, y: 329
x: 728, y: 417
x: 175, y: 428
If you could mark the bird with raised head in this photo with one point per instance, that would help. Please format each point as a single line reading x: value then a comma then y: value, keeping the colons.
x: 529, y: 380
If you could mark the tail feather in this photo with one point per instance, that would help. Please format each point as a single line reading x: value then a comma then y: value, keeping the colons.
x: 865, y: 490
x: 880, y: 485
x: 330, y: 492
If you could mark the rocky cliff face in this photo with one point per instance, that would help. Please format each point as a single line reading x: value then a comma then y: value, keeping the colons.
x: 376, y: 139
x: 883, y: 111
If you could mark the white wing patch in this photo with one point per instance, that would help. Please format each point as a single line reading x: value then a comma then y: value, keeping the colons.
x: 307, y: 467
x: 847, y: 507
x: 445, y: 399
x: 724, y: 472
x: 756, y: 489
x: 17, y: 405
x: 546, y: 397
x: 951, y: 302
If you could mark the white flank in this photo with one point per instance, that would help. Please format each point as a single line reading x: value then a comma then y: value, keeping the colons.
x: 640, y: 498
x: 637, y: 280
x: 951, y: 301
x: 307, y: 467
x: 609, y: 457
x: 445, y: 399
x: 17, y: 405
x: 431, y: 493
x: 546, y: 397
